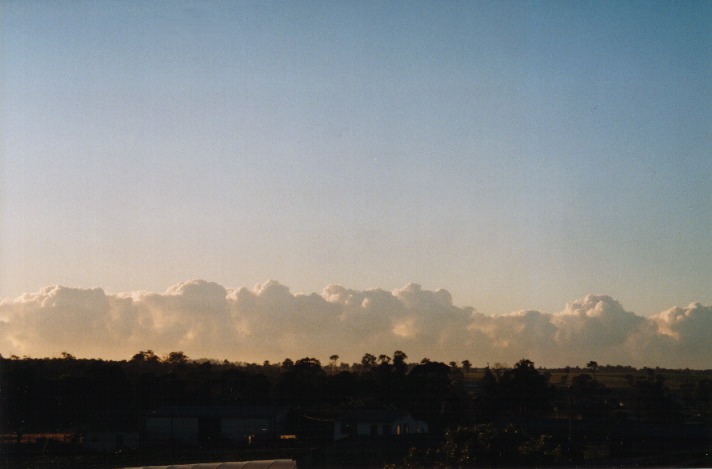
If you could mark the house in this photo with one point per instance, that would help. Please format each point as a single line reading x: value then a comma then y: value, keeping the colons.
x: 377, y: 422
x: 195, y: 425
x: 108, y: 441
x: 261, y: 464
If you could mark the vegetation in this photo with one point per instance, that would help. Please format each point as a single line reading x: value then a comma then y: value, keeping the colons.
x: 516, y: 415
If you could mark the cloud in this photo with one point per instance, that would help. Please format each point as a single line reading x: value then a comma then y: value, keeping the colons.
x: 685, y: 332
x: 597, y: 326
x: 508, y: 338
x: 205, y: 319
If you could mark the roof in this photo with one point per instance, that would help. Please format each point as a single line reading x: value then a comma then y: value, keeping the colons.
x: 219, y: 411
x: 374, y: 415
x: 266, y: 464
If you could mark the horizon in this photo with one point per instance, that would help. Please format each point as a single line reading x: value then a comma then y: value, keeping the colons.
x: 327, y: 364
x: 526, y: 162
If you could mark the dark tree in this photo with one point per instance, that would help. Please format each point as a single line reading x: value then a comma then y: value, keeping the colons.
x: 431, y: 396
x: 399, y: 365
x: 368, y: 361
x: 334, y: 359
x: 488, y: 445
x: 528, y: 390
x: 653, y: 400
x: 384, y: 359
x: 302, y: 384
x: 145, y: 356
x: 589, y: 398
x: 520, y: 392
x: 307, y: 363
x: 176, y: 357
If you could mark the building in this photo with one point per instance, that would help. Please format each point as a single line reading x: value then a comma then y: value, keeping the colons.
x: 377, y: 422
x: 108, y: 441
x: 196, y: 425
x: 261, y: 464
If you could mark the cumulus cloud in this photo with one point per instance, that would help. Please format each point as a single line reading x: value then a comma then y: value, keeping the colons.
x: 685, y: 332
x: 597, y: 326
x: 204, y: 319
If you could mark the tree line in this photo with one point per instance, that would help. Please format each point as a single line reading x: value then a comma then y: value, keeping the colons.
x: 471, y: 411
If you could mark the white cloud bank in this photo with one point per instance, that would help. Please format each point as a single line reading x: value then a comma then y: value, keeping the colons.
x: 204, y: 319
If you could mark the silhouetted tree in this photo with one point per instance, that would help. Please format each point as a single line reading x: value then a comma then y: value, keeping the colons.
x: 145, y: 356
x: 466, y: 365
x: 521, y: 391
x: 524, y: 390
x: 176, y: 358
x: 565, y: 377
x: 589, y: 397
x: 489, y: 380
x: 488, y: 444
x: 489, y: 403
x: 653, y: 401
x: 302, y: 383
x: 703, y: 392
x: 19, y: 397
x: 431, y: 394
x: 399, y: 365
x: 307, y: 363
x: 368, y: 361
x: 242, y: 388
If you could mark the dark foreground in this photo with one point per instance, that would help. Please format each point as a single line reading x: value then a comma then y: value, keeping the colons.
x: 380, y: 413
x: 357, y: 453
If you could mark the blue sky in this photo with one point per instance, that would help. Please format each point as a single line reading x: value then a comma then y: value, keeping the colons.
x: 518, y: 154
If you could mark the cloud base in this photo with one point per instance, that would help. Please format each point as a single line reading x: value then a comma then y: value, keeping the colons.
x: 268, y: 322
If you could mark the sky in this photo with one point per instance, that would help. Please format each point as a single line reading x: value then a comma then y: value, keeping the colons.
x: 520, y: 156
